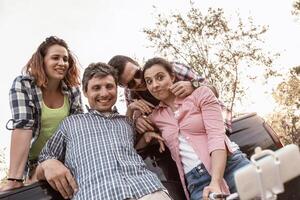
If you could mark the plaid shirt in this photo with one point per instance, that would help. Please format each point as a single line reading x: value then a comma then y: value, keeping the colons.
x: 182, y: 73
x: 99, y: 151
x: 26, y: 102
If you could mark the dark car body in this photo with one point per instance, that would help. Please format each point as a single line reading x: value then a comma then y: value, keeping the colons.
x: 248, y: 131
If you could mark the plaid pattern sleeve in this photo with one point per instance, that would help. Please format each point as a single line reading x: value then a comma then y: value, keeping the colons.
x: 184, y: 72
x: 76, y: 101
x: 21, y: 104
x: 74, y: 95
x: 127, y: 95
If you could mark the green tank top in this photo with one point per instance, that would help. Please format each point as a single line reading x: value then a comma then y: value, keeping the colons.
x: 49, y: 123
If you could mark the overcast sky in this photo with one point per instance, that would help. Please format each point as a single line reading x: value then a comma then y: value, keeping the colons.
x: 98, y: 29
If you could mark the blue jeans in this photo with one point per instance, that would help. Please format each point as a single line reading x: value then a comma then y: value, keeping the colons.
x: 198, y: 178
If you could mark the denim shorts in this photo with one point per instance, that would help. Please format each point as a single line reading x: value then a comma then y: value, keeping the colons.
x: 198, y: 177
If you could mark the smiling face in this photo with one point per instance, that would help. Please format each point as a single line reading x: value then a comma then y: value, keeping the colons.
x: 56, y: 62
x: 158, y: 81
x: 101, y: 93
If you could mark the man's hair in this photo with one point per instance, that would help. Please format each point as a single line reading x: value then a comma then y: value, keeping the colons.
x: 158, y: 61
x: 98, y: 69
x: 119, y: 61
x: 35, y: 66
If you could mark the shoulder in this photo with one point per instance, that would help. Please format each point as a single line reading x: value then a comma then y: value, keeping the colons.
x: 75, y: 94
x: 124, y: 118
x: 75, y: 118
x: 75, y: 90
x: 203, y: 91
x: 201, y: 94
x: 23, y: 81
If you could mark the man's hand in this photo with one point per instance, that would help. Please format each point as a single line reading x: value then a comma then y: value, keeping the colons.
x: 143, y: 106
x: 182, y: 88
x: 148, y: 136
x: 143, y: 124
x: 58, y: 176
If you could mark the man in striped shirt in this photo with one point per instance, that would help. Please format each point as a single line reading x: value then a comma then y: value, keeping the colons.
x: 98, y: 149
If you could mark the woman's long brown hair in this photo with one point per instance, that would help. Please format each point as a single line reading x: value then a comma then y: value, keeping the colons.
x: 35, y: 66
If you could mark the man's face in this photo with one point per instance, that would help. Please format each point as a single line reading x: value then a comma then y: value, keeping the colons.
x: 131, y: 78
x: 101, y: 93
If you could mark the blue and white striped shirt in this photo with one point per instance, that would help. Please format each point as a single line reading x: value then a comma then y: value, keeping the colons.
x: 99, y: 151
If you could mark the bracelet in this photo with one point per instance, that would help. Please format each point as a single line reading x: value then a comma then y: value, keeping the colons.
x: 16, y: 179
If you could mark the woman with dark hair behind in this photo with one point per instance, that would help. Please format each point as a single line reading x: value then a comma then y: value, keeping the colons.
x: 40, y: 99
x: 192, y: 128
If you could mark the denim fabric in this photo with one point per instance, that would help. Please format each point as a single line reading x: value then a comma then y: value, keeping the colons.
x: 198, y: 178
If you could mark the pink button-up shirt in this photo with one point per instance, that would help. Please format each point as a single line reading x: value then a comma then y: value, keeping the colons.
x: 200, y: 121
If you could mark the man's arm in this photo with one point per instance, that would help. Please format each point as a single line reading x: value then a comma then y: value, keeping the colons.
x: 51, y: 167
x: 58, y: 176
x: 136, y: 113
x: 127, y: 95
x: 147, y: 138
x: 188, y: 81
x: 141, y: 105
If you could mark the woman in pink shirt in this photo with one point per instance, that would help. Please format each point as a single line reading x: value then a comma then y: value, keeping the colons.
x: 193, y: 130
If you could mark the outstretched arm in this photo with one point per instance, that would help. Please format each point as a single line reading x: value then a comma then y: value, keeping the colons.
x: 188, y: 81
x: 218, y: 163
x: 185, y: 88
x: 51, y: 167
x: 215, y: 130
x: 147, y: 138
x: 138, y: 110
x: 141, y: 106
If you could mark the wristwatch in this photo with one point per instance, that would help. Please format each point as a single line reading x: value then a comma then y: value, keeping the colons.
x: 195, y: 84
